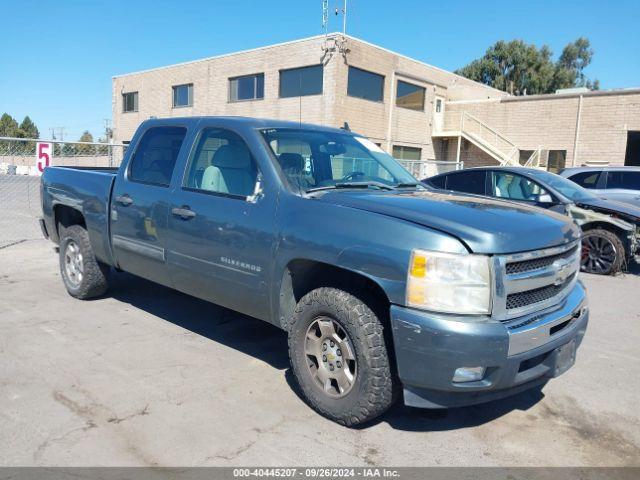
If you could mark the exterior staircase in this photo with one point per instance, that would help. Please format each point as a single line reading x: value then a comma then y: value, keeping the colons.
x: 490, y: 141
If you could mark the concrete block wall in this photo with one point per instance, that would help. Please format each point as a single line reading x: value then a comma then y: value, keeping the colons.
x: 551, y: 122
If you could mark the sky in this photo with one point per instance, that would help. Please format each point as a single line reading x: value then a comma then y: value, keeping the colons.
x: 58, y: 57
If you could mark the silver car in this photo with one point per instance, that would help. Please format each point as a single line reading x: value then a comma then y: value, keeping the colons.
x: 614, y: 183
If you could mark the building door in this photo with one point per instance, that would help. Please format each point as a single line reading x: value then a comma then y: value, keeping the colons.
x: 438, y: 114
x: 632, y: 158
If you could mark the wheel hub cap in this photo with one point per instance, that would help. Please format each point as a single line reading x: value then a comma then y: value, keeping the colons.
x: 330, y: 357
x: 73, y: 266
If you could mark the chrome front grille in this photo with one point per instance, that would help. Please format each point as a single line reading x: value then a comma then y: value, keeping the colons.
x: 530, y: 281
x: 537, y: 263
x: 537, y: 295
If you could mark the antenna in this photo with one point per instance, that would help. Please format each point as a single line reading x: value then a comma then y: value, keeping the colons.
x: 325, y: 16
x: 343, y: 11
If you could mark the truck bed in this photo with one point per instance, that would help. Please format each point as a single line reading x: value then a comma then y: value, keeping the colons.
x: 86, y: 189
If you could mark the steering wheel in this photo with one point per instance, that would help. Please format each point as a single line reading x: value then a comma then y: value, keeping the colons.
x: 352, y: 176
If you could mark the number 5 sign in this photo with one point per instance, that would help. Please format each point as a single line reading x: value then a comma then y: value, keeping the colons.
x: 44, y: 152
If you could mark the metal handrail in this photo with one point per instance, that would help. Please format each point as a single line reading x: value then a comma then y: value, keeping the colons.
x: 484, y: 125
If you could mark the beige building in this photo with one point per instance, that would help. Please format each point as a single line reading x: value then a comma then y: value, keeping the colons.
x: 413, y: 110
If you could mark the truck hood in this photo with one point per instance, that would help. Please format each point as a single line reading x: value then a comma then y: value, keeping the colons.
x: 485, y: 225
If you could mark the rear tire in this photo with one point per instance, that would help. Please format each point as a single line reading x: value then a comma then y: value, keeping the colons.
x: 339, y: 357
x: 602, y: 252
x: 83, y: 276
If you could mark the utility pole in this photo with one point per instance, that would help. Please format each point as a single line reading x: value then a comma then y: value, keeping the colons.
x: 107, y: 130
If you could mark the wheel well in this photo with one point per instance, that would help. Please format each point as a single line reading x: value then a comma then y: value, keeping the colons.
x: 622, y: 234
x: 67, y: 216
x: 302, y: 276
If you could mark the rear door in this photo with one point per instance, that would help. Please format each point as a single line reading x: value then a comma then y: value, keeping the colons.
x: 222, y: 225
x: 140, y: 203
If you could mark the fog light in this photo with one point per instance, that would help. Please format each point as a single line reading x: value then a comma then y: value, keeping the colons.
x: 468, y: 374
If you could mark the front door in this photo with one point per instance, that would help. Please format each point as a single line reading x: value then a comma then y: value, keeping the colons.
x: 140, y: 205
x: 222, y: 226
x: 438, y: 114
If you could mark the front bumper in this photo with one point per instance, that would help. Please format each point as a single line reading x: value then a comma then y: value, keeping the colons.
x: 517, y: 355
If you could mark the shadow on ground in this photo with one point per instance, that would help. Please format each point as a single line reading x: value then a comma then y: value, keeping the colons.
x: 268, y: 343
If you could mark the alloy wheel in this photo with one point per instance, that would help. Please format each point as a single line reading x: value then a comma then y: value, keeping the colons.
x: 598, y: 254
x: 330, y: 357
x: 73, y: 266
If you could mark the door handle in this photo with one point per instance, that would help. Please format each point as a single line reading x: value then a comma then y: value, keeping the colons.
x: 183, y: 212
x: 125, y: 200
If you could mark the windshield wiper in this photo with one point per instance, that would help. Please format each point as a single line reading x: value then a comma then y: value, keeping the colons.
x: 407, y: 185
x: 380, y: 185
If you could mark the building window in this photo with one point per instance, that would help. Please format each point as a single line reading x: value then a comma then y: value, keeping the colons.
x: 410, y: 96
x: 367, y: 85
x: 248, y: 87
x: 130, y: 102
x: 557, y: 160
x: 401, y: 152
x: 183, y: 95
x: 298, y: 82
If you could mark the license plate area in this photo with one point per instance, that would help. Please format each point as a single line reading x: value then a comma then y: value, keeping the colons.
x: 565, y: 357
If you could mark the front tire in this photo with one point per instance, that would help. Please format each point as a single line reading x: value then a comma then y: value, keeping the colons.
x: 602, y: 252
x: 83, y: 276
x: 339, y: 357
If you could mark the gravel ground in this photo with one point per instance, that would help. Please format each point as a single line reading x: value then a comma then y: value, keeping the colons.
x: 148, y: 376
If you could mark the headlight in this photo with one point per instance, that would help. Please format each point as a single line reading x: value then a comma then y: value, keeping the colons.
x: 449, y: 283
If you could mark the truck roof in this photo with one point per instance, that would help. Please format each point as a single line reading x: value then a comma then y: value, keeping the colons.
x: 250, y: 122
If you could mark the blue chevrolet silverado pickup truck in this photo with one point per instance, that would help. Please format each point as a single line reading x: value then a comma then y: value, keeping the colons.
x: 383, y: 286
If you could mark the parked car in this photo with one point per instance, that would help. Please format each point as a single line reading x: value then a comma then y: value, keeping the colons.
x: 379, y: 283
x: 614, y: 183
x: 611, y: 230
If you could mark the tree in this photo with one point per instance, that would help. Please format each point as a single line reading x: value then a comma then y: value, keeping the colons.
x: 518, y: 68
x: 28, y: 129
x: 8, y: 126
x: 85, y: 149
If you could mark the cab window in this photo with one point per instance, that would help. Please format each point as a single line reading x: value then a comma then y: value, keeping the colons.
x: 156, y: 155
x: 221, y: 163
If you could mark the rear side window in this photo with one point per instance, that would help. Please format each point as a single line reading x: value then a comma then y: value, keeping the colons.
x: 622, y: 179
x: 586, y: 179
x: 156, y: 155
x: 438, y: 182
x: 467, y: 182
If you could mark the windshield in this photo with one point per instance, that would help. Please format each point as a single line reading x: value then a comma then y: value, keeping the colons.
x: 318, y: 160
x: 571, y: 190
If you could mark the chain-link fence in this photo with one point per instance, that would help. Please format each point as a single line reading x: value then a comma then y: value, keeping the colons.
x: 20, y: 182
x: 422, y: 169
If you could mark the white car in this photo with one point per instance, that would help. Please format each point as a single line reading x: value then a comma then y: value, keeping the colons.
x: 614, y: 183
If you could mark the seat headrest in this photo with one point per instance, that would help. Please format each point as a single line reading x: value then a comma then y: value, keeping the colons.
x: 291, y: 162
x: 234, y: 155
